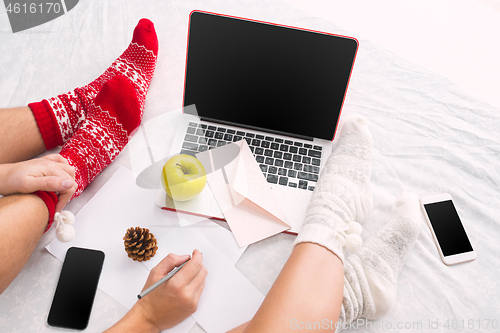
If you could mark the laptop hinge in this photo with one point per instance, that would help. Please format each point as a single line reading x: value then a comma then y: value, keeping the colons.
x: 298, y: 136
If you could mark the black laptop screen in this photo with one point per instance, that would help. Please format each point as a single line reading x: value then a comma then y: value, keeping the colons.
x: 265, y: 76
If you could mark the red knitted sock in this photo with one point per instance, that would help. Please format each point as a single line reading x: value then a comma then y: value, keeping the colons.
x: 59, y: 117
x: 50, y: 199
x: 112, y: 117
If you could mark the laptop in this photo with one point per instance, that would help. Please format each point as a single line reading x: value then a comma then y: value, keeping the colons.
x: 279, y: 88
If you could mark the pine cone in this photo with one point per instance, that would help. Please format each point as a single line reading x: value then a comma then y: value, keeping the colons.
x: 140, y: 244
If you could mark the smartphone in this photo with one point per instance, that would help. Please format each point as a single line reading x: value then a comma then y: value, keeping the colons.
x: 76, y: 288
x: 447, y: 230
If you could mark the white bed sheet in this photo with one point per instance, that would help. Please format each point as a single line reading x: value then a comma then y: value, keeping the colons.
x: 430, y: 136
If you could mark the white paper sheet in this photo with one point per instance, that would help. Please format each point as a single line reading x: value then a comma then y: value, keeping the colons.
x: 120, y: 204
x: 102, y: 223
x: 228, y: 299
x: 221, y: 238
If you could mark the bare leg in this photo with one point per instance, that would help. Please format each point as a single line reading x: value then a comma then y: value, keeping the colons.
x: 309, y: 289
x: 23, y: 218
x: 369, y: 285
x: 308, y: 293
x: 20, y: 137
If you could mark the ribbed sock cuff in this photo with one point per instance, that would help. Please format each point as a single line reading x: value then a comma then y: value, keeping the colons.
x: 47, y: 124
x: 50, y: 199
x: 324, y: 236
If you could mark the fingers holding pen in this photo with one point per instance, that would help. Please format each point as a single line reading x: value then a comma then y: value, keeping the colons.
x: 176, y: 299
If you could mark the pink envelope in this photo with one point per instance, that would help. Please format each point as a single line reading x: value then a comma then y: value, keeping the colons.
x: 242, y: 193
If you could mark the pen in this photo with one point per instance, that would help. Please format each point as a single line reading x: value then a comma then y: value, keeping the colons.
x: 160, y: 281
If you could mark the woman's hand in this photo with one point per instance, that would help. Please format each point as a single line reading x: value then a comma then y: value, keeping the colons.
x: 49, y: 173
x: 170, y: 303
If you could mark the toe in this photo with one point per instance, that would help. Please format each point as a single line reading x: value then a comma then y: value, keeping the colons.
x: 145, y: 35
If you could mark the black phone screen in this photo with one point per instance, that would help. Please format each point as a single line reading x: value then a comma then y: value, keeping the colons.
x: 76, y: 288
x: 448, y: 228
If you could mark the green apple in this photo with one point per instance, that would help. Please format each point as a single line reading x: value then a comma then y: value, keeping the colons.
x: 183, y: 177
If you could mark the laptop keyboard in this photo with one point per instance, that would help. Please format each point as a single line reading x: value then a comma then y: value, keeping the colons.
x: 283, y: 162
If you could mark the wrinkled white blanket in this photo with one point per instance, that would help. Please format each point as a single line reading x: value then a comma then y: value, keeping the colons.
x: 430, y: 136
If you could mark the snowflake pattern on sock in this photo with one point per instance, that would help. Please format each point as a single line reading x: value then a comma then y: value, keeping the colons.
x: 104, y: 133
x: 137, y: 63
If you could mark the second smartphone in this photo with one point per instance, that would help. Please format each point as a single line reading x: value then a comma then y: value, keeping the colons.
x: 76, y: 288
x: 447, y: 230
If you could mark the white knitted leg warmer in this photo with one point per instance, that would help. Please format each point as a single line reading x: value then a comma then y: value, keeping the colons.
x: 343, y: 193
x: 370, y: 274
